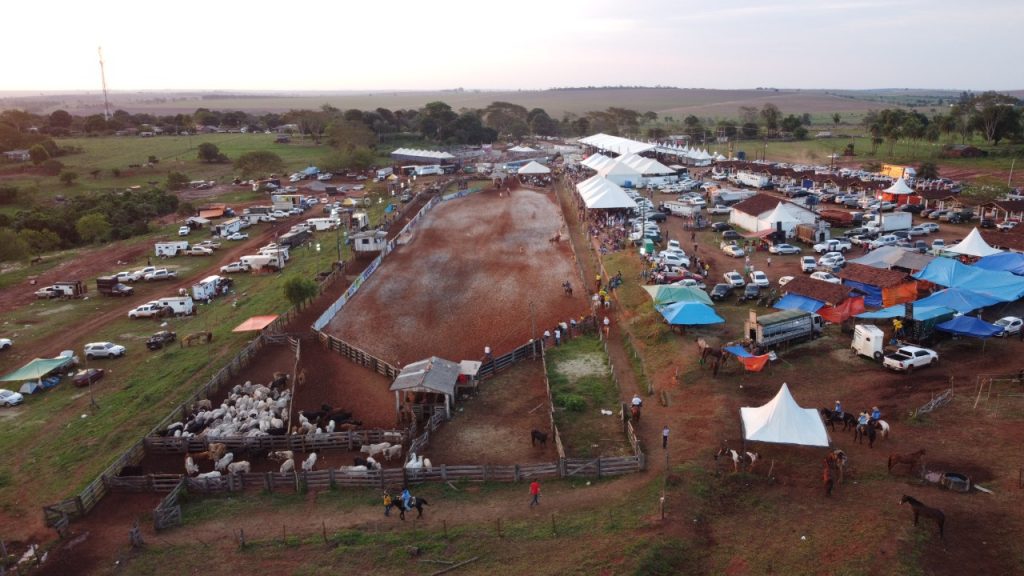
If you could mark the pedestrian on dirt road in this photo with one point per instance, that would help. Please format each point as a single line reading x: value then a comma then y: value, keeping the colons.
x: 664, y: 437
x: 558, y: 337
x: 535, y: 493
x: 487, y: 354
x: 769, y: 262
x: 388, y: 504
x: 693, y: 236
x: 597, y: 280
x: 607, y: 325
x: 547, y: 336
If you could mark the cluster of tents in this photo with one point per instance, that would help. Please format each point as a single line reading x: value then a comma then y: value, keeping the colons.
x: 683, y: 305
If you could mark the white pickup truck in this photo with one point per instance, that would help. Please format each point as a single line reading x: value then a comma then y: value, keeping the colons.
x: 833, y: 245
x: 906, y: 358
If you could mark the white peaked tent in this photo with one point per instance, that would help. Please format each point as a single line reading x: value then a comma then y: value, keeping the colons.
x: 788, y: 214
x: 973, y: 245
x: 783, y: 421
x: 594, y: 161
x: 620, y: 173
x: 601, y: 194
x: 899, y: 187
x: 534, y: 167
x: 521, y: 150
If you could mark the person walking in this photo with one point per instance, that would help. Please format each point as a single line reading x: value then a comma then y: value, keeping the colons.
x: 664, y: 437
x: 388, y: 504
x: 534, y: 493
x: 769, y: 262
x: 558, y: 337
x: 607, y: 325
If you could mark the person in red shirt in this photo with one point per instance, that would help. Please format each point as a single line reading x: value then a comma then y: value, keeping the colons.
x: 535, y: 493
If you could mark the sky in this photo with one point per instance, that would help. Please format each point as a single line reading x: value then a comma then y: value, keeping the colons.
x: 521, y: 44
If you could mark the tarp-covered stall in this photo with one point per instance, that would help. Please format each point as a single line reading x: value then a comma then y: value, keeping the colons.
x: 880, y: 287
x: 689, y: 314
x: 969, y: 326
x: 783, y: 421
x: 431, y: 376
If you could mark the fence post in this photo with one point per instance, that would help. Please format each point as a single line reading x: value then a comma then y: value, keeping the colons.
x: 515, y: 475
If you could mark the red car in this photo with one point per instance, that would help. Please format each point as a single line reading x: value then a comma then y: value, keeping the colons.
x: 87, y: 376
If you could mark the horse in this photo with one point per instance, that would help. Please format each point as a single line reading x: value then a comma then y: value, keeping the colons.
x: 882, y: 426
x: 634, y: 413
x: 567, y: 288
x: 837, y: 459
x: 862, y: 430
x: 414, y: 502
x: 913, y: 459
x: 829, y: 417
x: 536, y: 436
x: 921, y: 509
x: 738, y: 458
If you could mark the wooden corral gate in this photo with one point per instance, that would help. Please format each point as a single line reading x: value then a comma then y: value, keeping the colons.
x: 168, y: 512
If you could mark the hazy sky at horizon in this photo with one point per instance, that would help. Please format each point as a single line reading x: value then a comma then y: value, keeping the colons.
x: 530, y: 44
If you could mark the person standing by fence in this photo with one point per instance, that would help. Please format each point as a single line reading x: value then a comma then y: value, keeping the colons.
x: 606, y: 328
x: 534, y: 493
x: 664, y: 437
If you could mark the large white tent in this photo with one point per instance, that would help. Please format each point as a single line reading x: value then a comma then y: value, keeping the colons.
x: 594, y: 161
x: 973, y: 245
x: 521, y: 150
x: 534, y: 167
x: 616, y: 144
x: 621, y: 174
x: 783, y: 421
x: 899, y: 188
x: 789, y: 215
x: 599, y: 193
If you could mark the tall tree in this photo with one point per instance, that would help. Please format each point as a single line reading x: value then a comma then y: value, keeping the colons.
x: 93, y: 228
x: 259, y: 163
x: 209, y: 152
x: 996, y: 115
x: 836, y: 119
x: 770, y: 114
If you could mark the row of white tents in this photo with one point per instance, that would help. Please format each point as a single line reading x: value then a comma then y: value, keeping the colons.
x: 625, y: 146
x: 630, y: 170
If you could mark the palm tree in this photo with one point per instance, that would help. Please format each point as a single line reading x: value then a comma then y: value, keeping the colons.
x: 836, y: 118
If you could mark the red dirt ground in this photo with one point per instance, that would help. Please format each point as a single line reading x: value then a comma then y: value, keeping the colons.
x: 467, y: 280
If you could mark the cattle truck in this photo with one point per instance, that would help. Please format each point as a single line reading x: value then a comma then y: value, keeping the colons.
x: 770, y: 330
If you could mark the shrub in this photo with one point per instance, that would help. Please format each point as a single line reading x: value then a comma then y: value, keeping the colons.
x: 571, y: 402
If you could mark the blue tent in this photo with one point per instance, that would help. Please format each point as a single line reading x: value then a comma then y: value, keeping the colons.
x: 922, y: 313
x: 690, y: 313
x: 969, y: 326
x: 959, y: 300
x: 1005, y: 262
x: 1005, y: 286
x: 798, y: 302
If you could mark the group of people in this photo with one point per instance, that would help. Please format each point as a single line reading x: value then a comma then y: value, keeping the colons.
x: 562, y: 330
x: 389, y: 501
x: 864, y: 418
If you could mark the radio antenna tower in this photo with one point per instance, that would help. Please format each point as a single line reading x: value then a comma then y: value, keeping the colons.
x: 103, y: 78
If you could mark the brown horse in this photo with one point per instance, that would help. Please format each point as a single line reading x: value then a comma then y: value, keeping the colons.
x: 921, y: 510
x: 837, y: 460
x: 826, y: 477
x: 634, y: 413
x: 913, y: 459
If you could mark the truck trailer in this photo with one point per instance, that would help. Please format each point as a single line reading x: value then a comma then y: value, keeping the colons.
x: 770, y: 330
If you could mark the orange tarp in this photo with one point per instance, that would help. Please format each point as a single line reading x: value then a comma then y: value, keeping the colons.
x: 906, y: 292
x: 754, y: 363
x: 847, y: 308
x: 255, y: 323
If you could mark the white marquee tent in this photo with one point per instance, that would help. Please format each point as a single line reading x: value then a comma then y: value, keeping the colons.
x: 973, y: 245
x: 621, y: 173
x: 599, y: 193
x: 616, y: 144
x: 899, y: 188
x: 534, y: 167
x: 521, y: 150
x: 783, y: 421
x: 789, y: 215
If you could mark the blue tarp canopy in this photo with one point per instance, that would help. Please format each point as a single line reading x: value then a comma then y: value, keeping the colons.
x: 36, y: 369
x: 1005, y: 262
x: 969, y: 326
x: 690, y: 313
x: 872, y: 294
x: 739, y: 351
x: 669, y: 293
x: 959, y: 300
x: 798, y: 302
x: 1005, y: 286
x: 920, y: 312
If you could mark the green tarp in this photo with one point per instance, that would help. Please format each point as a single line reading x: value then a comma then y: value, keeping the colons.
x: 35, y: 369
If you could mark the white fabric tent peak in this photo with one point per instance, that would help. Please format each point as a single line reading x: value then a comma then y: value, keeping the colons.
x: 534, y: 167
x: 783, y: 421
x: 899, y: 187
x: 973, y: 245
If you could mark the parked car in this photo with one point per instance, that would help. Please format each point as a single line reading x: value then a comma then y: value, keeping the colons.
x: 149, y: 310
x: 931, y: 227
x: 656, y: 216
x: 1006, y: 225
x: 826, y: 277
x: 938, y: 245
x: 734, y: 279
x: 734, y: 250
x: 832, y: 260
x: 10, y: 398
x: 731, y: 235
x: 198, y: 250
x: 279, y: 214
x: 936, y: 214
x: 887, y: 240
x: 917, y: 231
x: 238, y: 236
x: 719, y: 209
x: 104, y: 350
x: 906, y: 358
x: 234, y: 267
x: 750, y: 292
x: 87, y: 376
x: 47, y: 293
x: 912, y: 208
x: 808, y: 264
x: 783, y: 249
x: 1009, y: 324
x: 160, y: 339
x: 720, y: 226
x: 759, y: 278
x: 211, y: 244
x: 987, y: 223
x: 720, y: 292
x: 6, y: 343
x: 128, y: 277
x: 184, y: 231
x: 160, y: 274
x: 691, y: 283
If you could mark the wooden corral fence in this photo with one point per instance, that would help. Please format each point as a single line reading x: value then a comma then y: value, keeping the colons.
x: 168, y: 512
x: 531, y: 350
x: 147, y: 483
x: 358, y: 356
x: 296, y: 442
x: 57, y: 515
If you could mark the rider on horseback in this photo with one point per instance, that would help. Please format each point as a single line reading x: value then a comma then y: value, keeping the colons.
x: 838, y: 410
x: 406, y: 497
x: 862, y: 420
x: 637, y: 401
x: 876, y: 414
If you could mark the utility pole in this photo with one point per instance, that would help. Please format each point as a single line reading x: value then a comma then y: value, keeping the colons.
x: 103, y: 79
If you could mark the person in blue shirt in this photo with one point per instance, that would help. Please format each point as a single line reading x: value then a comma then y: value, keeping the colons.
x: 876, y: 414
x: 406, y: 497
x: 863, y: 419
x: 838, y: 409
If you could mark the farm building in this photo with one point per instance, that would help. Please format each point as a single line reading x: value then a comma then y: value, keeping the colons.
x: 429, y: 383
x: 416, y: 155
x: 764, y: 213
x: 1003, y: 210
x: 369, y: 241
x: 881, y: 287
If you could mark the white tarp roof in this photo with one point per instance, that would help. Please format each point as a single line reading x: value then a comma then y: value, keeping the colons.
x: 646, y: 166
x: 521, y: 149
x: 602, y: 194
x: 973, y: 245
x: 618, y: 169
x: 621, y: 146
x: 593, y: 161
x: 783, y: 421
x: 899, y: 187
x: 434, y: 154
x: 534, y: 167
x: 781, y: 213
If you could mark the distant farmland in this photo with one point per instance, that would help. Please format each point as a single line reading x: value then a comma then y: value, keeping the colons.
x: 674, y: 102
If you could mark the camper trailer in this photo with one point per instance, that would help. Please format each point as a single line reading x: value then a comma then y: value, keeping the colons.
x: 258, y: 262
x: 209, y: 288
x: 428, y: 170
x: 320, y: 224
x: 171, y: 249
x: 868, y: 341
x: 384, y: 173
x: 360, y: 220
x: 180, y: 305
